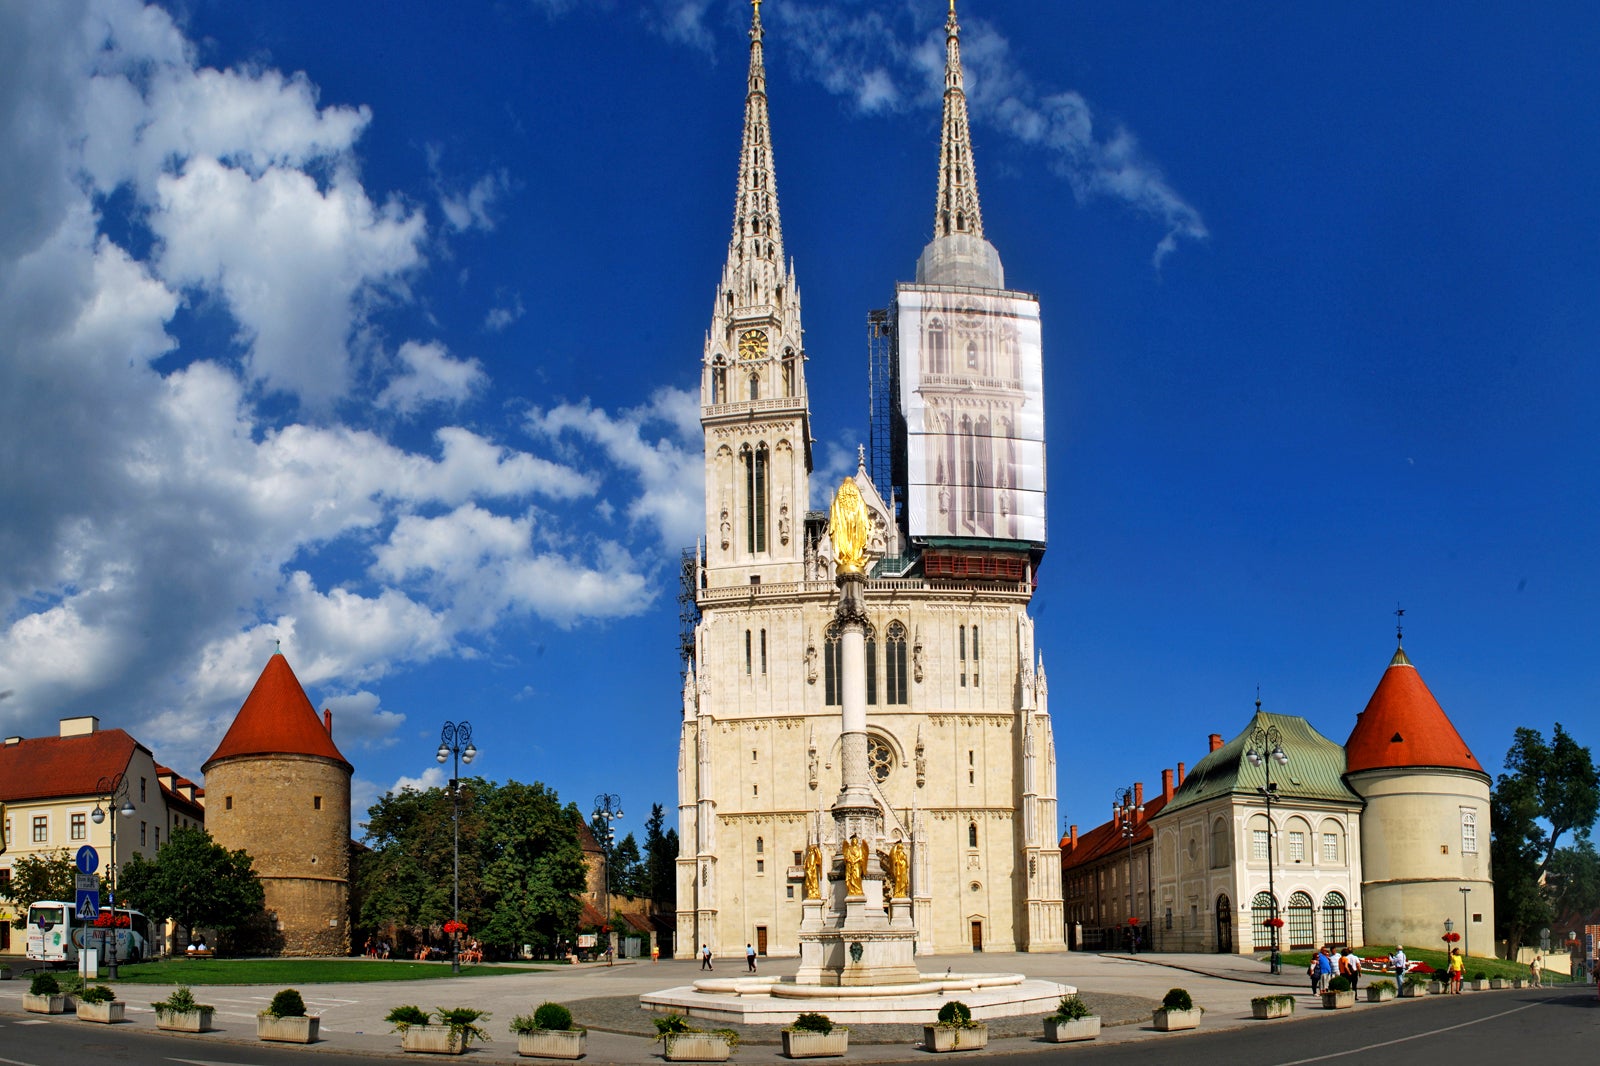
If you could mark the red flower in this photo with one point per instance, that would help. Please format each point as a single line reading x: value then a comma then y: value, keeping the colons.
x: 1134, y: 920
x: 1276, y: 923
x: 107, y: 920
x: 1452, y: 937
x: 452, y: 927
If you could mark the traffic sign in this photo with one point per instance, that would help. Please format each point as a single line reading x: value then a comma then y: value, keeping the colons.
x: 88, y: 859
x: 88, y: 883
x: 88, y: 905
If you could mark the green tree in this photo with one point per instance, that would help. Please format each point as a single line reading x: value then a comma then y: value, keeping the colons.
x: 660, y: 860
x: 196, y: 882
x: 48, y: 875
x: 1575, y: 879
x: 627, y: 869
x: 533, y: 870
x: 1549, y: 790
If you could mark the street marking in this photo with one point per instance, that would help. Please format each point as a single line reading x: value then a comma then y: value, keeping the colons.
x: 1414, y: 1036
x: 14, y: 1062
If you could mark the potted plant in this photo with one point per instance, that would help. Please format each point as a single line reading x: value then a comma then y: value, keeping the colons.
x: 458, y: 1027
x: 1380, y: 991
x: 955, y: 1030
x: 1438, y: 985
x: 1499, y: 982
x: 1264, y: 1007
x: 71, y: 988
x: 44, y: 995
x: 1071, y: 1021
x: 286, y: 1021
x: 99, y: 1004
x: 549, y: 1033
x: 1339, y: 996
x: 682, y: 1042
x: 1416, y: 986
x: 814, y: 1036
x: 5, y: 972
x: 179, y: 1013
x: 1479, y: 982
x: 1177, y: 1011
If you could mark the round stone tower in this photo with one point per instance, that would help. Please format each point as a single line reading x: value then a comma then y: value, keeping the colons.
x: 1425, y: 830
x: 278, y: 787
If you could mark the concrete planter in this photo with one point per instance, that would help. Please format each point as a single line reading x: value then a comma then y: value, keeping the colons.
x: 1413, y: 991
x: 1435, y: 988
x: 301, y: 1029
x: 432, y: 1040
x: 44, y: 1004
x: 5, y: 973
x: 1271, y: 1008
x: 552, y: 1044
x: 1498, y: 982
x: 695, y: 1047
x: 954, y: 1038
x: 1168, y: 1020
x: 184, y: 1021
x: 1338, y: 1000
x: 1521, y: 982
x: 1063, y: 1031
x: 805, y: 1044
x: 104, y: 1013
x: 1379, y: 995
x: 1477, y: 986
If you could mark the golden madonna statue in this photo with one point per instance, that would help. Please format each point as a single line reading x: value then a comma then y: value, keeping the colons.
x: 855, y: 865
x: 848, y: 527
x: 899, y: 871
x: 813, y: 883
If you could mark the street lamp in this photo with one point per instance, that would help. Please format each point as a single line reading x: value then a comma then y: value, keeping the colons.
x: 607, y: 812
x: 456, y: 740
x: 1266, y: 748
x: 1125, y: 808
x: 113, y: 788
x: 1466, y: 930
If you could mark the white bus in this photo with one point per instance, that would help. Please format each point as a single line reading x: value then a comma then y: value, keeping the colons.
x: 57, y: 934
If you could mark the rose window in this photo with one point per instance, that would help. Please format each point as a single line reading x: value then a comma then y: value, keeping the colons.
x: 880, y: 760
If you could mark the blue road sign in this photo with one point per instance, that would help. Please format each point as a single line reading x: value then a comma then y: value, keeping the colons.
x: 88, y: 860
x: 88, y: 906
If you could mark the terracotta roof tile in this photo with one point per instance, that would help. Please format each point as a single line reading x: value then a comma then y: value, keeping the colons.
x: 277, y: 719
x: 47, y: 767
x: 1107, y: 839
x: 1404, y: 725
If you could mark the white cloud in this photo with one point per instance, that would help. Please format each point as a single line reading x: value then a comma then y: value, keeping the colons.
x: 432, y: 777
x: 472, y: 209
x: 501, y: 316
x: 358, y: 717
x: 431, y: 377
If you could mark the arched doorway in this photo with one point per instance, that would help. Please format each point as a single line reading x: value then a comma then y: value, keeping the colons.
x: 1261, y: 909
x: 1224, y: 925
x: 1301, y: 933
x: 1335, y: 921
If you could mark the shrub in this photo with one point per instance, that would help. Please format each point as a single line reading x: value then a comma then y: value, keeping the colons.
x: 552, y: 1016
x: 1071, y: 1008
x: 44, y: 984
x: 97, y: 994
x: 464, y: 1021
x: 1382, y: 986
x: 1414, y: 980
x: 71, y: 984
x: 287, y: 1004
x: 1177, y: 999
x: 1480, y: 976
x: 1339, y: 984
x: 668, y: 1024
x: 403, y: 1018
x: 955, y: 1015
x: 1272, y: 1001
x: 812, y: 1022
x: 181, y: 1001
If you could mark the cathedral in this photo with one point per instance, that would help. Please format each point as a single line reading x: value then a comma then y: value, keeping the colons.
x: 959, y: 737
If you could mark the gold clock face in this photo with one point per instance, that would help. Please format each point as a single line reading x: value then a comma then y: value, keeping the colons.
x: 753, y: 344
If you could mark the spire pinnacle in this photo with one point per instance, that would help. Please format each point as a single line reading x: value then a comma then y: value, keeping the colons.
x: 957, y: 211
x: 757, y: 236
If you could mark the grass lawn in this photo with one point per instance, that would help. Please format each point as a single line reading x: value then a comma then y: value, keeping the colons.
x: 1297, y: 961
x: 284, y: 972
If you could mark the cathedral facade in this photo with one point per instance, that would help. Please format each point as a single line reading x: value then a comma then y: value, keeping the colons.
x: 960, y: 742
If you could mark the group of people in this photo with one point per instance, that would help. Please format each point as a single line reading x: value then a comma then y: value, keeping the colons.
x: 1325, y: 966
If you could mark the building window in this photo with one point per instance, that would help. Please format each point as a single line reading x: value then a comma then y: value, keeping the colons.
x: 761, y: 866
x: 763, y: 651
x: 967, y: 641
x: 158, y: 838
x: 1297, y: 846
x: 1219, y: 844
x: 1335, y: 920
x: 1262, y: 909
x: 1330, y: 847
x: 41, y: 829
x: 761, y: 846
x: 972, y: 834
x: 80, y: 827
x: 880, y: 759
x: 895, y: 660
x: 1298, y: 922
x: 1469, y: 831
x: 1258, y: 844
x: 144, y: 828
x: 755, y: 484
x: 872, y: 666
x: 316, y: 803
x: 798, y: 858
x: 832, y: 668
x: 747, y: 653
x: 719, y: 381
x: 141, y: 790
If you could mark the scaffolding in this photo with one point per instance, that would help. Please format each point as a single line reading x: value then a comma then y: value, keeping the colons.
x: 688, y: 609
x: 880, y: 400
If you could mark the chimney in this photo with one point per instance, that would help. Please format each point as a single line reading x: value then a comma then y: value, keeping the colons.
x: 1181, y: 775
x: 1166, y: 784
x: 1216, y: 741
x: 13, y: 740
x: 1138, y: 794
x: 80, y: 727
x: 327, y: 719
x: 1073, y: 843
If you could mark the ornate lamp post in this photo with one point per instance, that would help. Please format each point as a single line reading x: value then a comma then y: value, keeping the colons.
x: 1126, y: 809
x: 1466, y: 930
x: 113, y: 788
x: 1266, y: 748
x: 607, y: 812
x: 456, y: 740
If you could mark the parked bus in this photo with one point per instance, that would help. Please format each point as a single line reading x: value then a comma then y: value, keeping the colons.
x: 57, y: 934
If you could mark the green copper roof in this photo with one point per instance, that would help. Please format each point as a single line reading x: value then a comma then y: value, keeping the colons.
x: 1315, y: 771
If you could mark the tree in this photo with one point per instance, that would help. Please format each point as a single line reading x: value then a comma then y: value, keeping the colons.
x: 1548, y: 791
x: 627, y: 869
x: 49, y: 875
x: 661, y: 860
x: 534, y: 869
x: 1575, y: 879
x: 196, y: 882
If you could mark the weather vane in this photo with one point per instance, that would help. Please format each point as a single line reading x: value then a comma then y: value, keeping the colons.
x: 1399, y: 615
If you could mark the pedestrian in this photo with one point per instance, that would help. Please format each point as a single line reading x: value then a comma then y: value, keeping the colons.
x: 1400, y: 963
x: 1536, y: 971
x: 750, y: 958
x: 655, y: 952
x: 705, y: 957
x: 1350, y: 967
x: 1326, y: 966
x: 1458, y: 967
x: 1314, y: 971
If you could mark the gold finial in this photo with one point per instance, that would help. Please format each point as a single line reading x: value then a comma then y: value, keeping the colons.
x: 848, y: 526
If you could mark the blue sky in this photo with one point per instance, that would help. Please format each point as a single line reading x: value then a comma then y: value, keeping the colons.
x: 377, y: 336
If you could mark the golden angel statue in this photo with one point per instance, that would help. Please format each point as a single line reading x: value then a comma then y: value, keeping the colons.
x: 849, y: 527
x: 855, y: 865
x: 813, y: 883
x: 899, y: 871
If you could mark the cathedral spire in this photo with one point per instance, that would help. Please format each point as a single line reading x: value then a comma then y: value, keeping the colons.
x: 958, y: 211
x: 757, y: 235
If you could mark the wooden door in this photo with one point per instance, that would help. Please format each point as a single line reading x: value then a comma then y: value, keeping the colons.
x: 977, y: 935
x: 761, y: 940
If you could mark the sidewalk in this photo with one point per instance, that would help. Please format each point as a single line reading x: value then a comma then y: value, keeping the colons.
x: 1121, y: 988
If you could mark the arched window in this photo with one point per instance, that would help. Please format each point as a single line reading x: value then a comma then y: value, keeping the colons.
x: 789, y: 375
x: 895, y: 661
x: 938, y: 354
x: 832, y: 668
x: 761, y: 846
x: 719, y: 381
x: 1335, y: 922
x: 972, y: 834
x: 1261, y: 909
x: 880, y: 757
x: 1219, y: 844
x: 755, y: 486
x: 755, y: 386
x: 1297, y: 922
x: 872, y: 665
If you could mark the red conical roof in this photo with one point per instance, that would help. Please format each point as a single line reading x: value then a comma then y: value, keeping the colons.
x: 1404, y: 726
x: 278, y: 719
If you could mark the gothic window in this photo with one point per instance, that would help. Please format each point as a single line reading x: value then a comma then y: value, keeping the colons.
x: 895, y: 661
x: 719, y: 378
x: 755, y: 487
x: 972, y: 834
x: 747, y: 653
x: 967, y: 642
x: 788, y: 372
x: 761, y: 846
x: 832, y: 669
x: 937, y: 354
x: 961, y: 639
x: 969, y: 471
x: 1469, y: 831
x: 972, y: 355
x: 880, y: 758
x: 755, y: 386
x: 763, y: 651
x: 872, y: 666
x: 1297, y: 922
